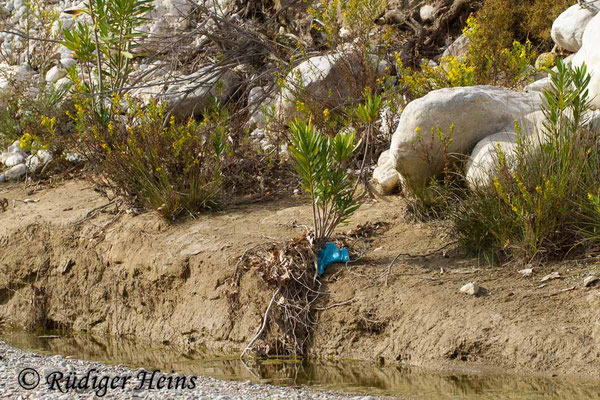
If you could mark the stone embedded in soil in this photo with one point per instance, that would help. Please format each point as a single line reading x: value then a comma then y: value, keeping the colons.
x: 526, y: 272
x: 549, y: 277
x: 590, y: 281
x: 471, y: 288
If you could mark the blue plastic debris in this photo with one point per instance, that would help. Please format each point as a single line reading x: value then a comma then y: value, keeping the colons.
x: 331, y: 254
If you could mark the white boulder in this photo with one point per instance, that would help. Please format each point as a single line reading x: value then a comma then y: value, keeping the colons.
x: 385, y: 174
x: 485, y: 156
x: 539, y: 85
x: 54, y: 74
x: 470, y: 113
x: 568, y: 28
x: 589, y: 54
x: 330, y: 80
x: 458, y: 48
x: 16, y: 172
x: 194, y: 97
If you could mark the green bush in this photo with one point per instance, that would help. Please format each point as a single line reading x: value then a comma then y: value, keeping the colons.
x: 174, y: 168
x: 495, y: 60
x: 503, y: 21
x: 106, y: 48
x: 434, y: 199
x: 489, y: 61
x: 35, y: 115
x: 540, y: 203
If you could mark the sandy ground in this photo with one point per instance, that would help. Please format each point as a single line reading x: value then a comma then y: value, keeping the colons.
x: 66, y: 263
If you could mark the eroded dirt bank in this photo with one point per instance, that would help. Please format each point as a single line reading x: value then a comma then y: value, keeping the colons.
x: 64, y: 263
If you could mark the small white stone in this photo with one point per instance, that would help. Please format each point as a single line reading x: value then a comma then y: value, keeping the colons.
x: 15, y: 147
x: 33, y: 164
x: 74, y: 158
x: 45, y: 156
x: 526, y: 272
x: 471, y: 288
x: 54, y: 74
x: 427, y: 13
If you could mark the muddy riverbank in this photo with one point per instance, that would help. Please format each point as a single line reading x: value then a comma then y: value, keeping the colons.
x: 74, y: 261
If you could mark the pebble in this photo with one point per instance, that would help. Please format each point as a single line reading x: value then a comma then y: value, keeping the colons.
x: 54, y: 74
x: 553, y: 275
x: 45, y: 156
x: 14, y: 159
x: 33, y: 164
x: 471, y: 288
x: 526, y: 272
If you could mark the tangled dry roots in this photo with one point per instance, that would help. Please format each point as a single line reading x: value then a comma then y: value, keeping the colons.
x: 289, y: 269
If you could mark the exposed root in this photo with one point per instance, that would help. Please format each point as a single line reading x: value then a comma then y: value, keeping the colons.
x: 290, y: 270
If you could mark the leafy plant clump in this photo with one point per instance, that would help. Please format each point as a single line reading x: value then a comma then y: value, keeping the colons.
x: 487, y: 62
x: 322, y: 165
x: 174, y: 169
x: 503, y: 21
x: 35, y: 116
x: 106, y: 47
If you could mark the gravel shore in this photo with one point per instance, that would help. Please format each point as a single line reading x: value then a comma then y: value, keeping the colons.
x: 59, y: 377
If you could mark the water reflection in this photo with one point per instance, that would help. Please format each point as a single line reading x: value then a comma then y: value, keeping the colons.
x: 348, y: 376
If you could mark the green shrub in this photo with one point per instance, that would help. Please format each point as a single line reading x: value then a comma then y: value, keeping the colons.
x: 434, y: 199
x: 537, y: 204
x: 40, y: 14
x: 175, y: 168
x: 495, y: 60
x: 503, y: 21
x: 489, y: 61
x: 356, y: 16
x: 322, y: 165
x: 105, y: 49
x: 35, y: 115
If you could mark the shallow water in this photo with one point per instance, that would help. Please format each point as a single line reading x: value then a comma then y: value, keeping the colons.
x: 349, y: 376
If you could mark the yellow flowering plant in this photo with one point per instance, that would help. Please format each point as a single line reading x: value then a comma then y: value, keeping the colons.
x: 173, y: 167
x: 541, y: 201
